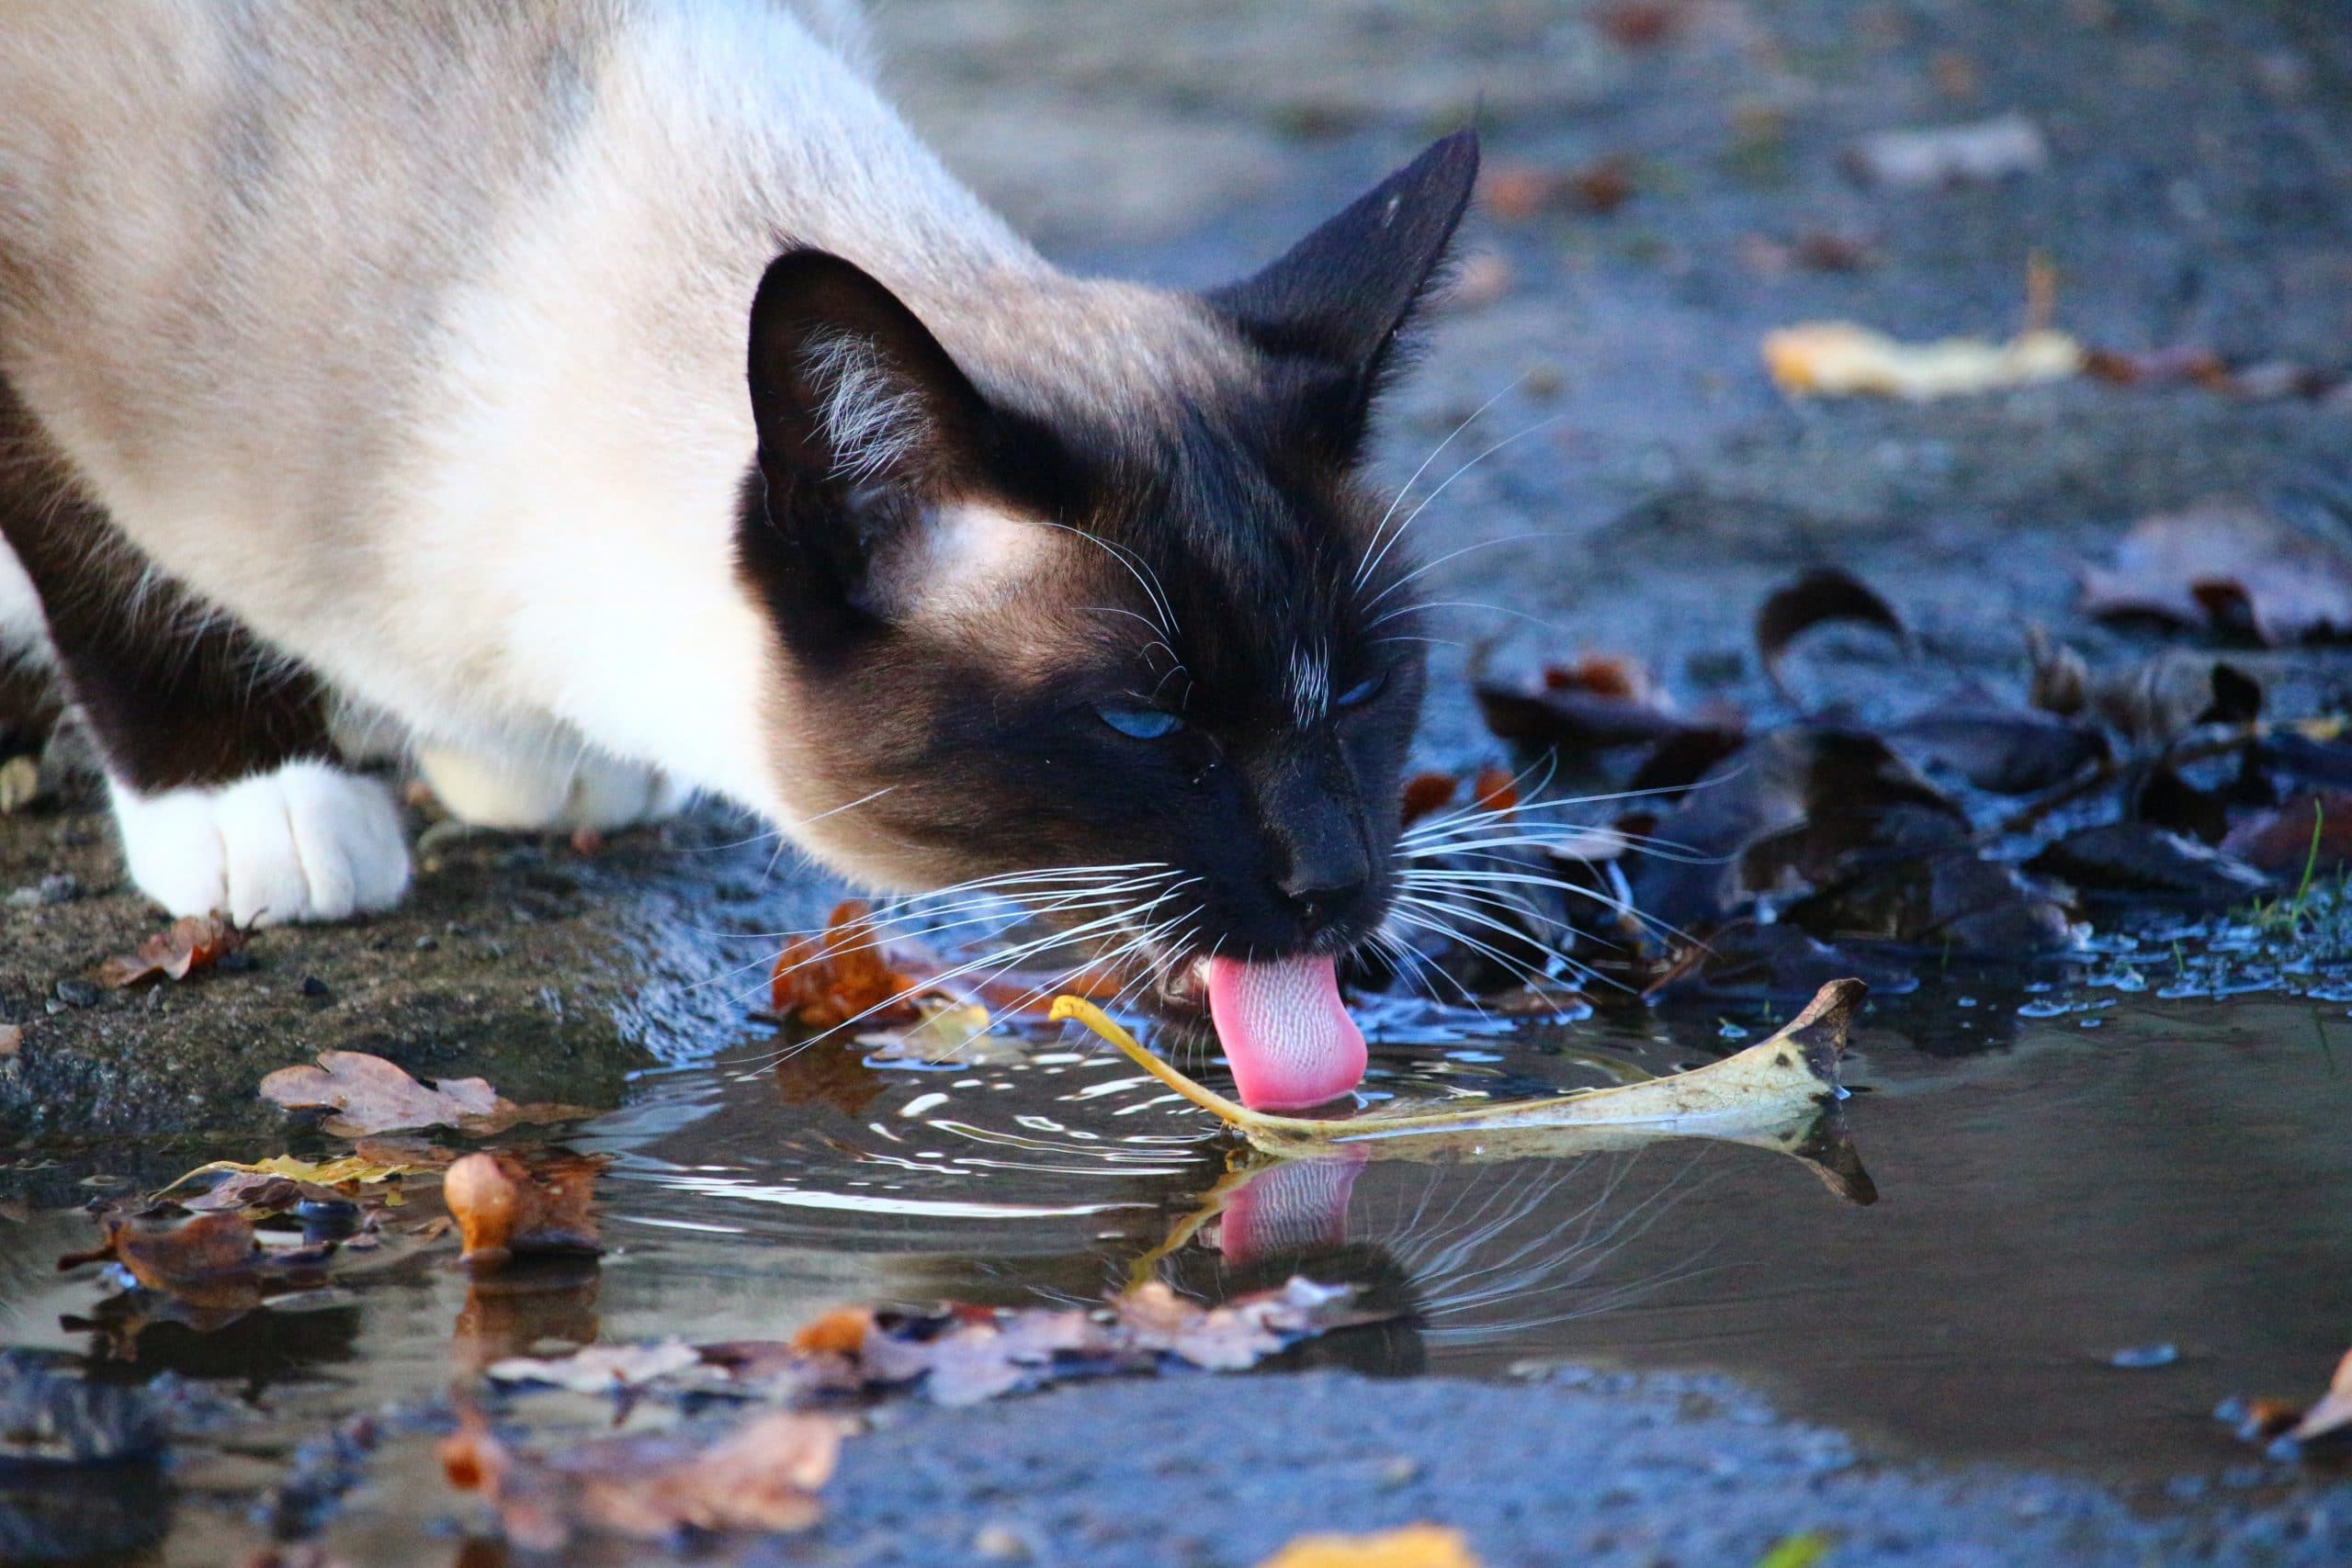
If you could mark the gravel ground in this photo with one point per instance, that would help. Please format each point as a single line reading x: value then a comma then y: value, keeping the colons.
x: 2198, y: 192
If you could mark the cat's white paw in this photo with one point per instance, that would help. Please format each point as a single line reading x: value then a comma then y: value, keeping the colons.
x: 307, y: 841
x: 537, y: 796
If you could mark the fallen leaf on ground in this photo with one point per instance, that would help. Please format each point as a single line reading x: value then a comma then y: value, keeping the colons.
x: 760, y: 1475
x: 1413, y: 1546
x: 2142, y: 860
x: 1817, y: 598
x: 1516, y: 192
x: 1951, y: 154
x: 2332, y: 1413
x: 2003, y: 750
x: 2234, y: 567
x: 841, y: 974
x: 502, y: 1206
x: 12, y: 1039
x: 192, y: 943
x: 19, y: 784
x: 2311, y: 832
x: 1840, y: 359
x: 371, y: 1095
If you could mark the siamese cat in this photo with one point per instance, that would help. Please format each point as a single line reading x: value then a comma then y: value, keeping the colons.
x: 612, y: 400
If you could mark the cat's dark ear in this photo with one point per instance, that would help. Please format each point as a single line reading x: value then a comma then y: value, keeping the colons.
x: 1340, y: 297
x: 863, y: 417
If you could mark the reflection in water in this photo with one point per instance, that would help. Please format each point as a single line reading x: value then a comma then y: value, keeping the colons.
x: 2168, y: 1178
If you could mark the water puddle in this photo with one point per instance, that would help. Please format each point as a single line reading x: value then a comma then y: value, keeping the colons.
x: 2096, y: 1214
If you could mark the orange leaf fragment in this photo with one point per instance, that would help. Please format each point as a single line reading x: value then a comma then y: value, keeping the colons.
x: 824, y: 981
x: 192, y: 943
x: 1495, y: 790
x: 841, y: 1332
x: 502, y: 1206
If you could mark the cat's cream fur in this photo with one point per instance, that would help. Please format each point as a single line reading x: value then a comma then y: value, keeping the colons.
x: 411, y: 332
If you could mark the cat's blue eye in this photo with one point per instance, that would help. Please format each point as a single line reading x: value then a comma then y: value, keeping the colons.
x: 1140, y: 723
x: 1363, y: 691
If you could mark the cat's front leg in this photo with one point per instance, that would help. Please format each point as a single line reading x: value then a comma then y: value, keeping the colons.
x: 227, y: 790
x: 562, y: 789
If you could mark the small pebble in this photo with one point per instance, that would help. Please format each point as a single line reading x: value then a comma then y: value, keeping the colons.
x: 316, y: 989
x: 2135, y: 1358
x: 60, y: 887
x: 77, y: 993
x: 426, y: 944
x: 1000, y: 1544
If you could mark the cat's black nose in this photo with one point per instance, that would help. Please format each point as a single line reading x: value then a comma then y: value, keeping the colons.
x: 1320, y: 897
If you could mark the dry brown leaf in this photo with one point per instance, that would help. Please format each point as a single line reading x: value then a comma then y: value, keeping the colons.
x: 2234, y: 567
x: 502, y: 1206
x: 838, y: 1333
x: 824, y: 981
x: 1413, y: 1546
x: 12, y: 1039
x: 1820, y: 596
x: 760, y: 1475
x: 193, y: 943
x: 370, y: 1094
x: 2311, y: 830
x: 1495, y: 789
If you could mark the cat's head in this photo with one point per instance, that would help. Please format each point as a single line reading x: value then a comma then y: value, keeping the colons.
x: 1102, y: 600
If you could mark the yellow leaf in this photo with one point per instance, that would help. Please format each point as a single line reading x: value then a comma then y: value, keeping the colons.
x: 1415, y: 1546
x: 1840, y: 359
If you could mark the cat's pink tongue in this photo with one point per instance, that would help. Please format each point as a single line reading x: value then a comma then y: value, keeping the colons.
x: 1287, y: 1039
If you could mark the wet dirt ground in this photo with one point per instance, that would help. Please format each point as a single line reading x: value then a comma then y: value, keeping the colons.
x: 1928, y: 1381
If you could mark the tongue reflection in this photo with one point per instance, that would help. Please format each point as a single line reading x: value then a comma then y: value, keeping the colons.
x: 1289, y: 1042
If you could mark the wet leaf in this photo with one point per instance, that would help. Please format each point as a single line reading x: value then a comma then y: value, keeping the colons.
x: 1413, y: 1546
x: 370, y: 1094
x: 213, y: 1261
x: 1842, y: 359
x: 1999, y: 750
x: 947, y: 1033
x: 2140, y: 860
x: 2231, y: 567
x: 841, y: 973
x: 282, y: 1181
x: 504, y: 1206
x: 762, y: 1474
x: 1818, y: 597
x: 193, y: 943
x: 1794, y: 1071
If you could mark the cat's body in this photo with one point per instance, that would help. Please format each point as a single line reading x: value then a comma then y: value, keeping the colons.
x: 384, y: 365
